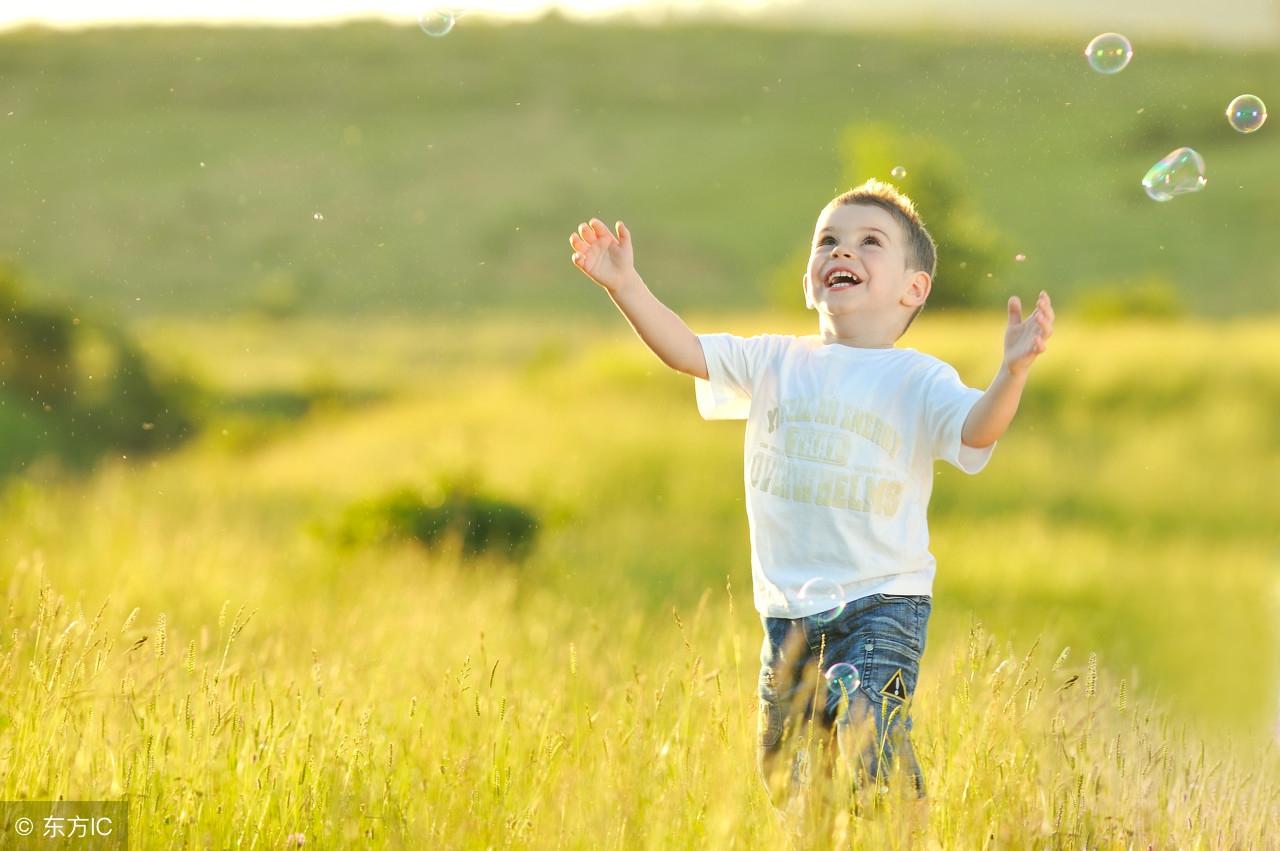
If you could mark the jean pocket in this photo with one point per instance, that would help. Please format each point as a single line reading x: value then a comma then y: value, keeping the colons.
x: 889, y: 666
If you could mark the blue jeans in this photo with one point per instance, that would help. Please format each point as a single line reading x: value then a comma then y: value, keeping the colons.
x: 882, y: 634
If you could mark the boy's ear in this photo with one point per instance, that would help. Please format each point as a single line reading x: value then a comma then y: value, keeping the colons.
x: 808, y: 297
x: 918, y: 289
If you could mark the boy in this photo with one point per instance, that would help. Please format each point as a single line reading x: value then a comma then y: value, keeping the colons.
x: 842, y: 432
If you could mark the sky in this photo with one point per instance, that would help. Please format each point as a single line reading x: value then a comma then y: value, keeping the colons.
x: 1238, y: 22
x: 82, y: 12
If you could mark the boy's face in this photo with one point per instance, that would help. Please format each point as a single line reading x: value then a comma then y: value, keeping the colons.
x: 868, y: 242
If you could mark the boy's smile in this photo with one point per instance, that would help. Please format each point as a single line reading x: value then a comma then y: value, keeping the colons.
x: 857, y: 277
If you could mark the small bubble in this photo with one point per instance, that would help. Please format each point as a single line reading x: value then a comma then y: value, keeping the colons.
x: 319, y: 217
x: 1109, y: 53
x: 1019, y: 257
x: 898, y: 172
x: 843, y: 678
x: 202, y: 164
x: 436, y: 22
x: 1246, y: 113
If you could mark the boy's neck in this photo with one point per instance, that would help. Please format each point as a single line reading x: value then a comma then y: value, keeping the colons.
x: 853, y: 334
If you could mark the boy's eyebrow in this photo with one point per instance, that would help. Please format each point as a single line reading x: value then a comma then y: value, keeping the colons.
x: 833, y: 230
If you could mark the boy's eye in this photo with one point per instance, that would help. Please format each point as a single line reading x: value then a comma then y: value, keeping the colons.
x: 874, y: 240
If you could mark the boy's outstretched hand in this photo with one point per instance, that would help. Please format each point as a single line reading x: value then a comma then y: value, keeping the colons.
x: 604, y: 258
x: 1025, y: 340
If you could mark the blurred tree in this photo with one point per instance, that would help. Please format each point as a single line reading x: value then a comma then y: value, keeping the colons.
x: 73, y: 389
x: 971, y: 251
x: 35, y: 348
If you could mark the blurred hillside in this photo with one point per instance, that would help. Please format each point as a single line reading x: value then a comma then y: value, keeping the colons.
x: 368, y: 169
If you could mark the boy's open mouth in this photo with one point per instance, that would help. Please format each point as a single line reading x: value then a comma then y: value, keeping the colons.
x: 842, y: 279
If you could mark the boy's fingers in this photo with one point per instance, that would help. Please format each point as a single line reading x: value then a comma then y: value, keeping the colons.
x: 586, y: 232
x: 599, y: 227
x: 1015, y: 309
x: 578, y: 243
x: 624, y: 235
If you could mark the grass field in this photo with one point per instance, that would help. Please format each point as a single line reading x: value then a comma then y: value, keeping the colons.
x: 179, y: 171
x: 601, y: 694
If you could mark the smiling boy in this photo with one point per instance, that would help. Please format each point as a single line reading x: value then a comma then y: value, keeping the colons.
x: 843, y: 429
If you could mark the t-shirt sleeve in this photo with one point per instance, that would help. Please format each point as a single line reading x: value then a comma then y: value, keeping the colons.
x: 947, y: 403
x: 734, y: 367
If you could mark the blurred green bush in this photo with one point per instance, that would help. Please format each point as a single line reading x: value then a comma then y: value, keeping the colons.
x: 456, y: 512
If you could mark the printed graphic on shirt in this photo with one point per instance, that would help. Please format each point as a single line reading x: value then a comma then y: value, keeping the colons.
x: 799, y: 468
x: 833, y: 412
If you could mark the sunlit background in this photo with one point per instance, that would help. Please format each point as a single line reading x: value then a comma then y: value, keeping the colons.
x: 367, y: 515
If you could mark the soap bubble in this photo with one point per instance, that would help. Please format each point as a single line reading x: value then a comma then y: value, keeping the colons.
x: 319, y: 217
x: 898, y: 172
x: 437, y: 22
x: 1019, y: 257
x: 824, y: 595
x: 843, y: 678
x: 1109, y: 53
x: 1180, y: 172
x: 1247, y: 113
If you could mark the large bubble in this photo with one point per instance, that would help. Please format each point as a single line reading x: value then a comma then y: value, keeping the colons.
x: 1180, y: 172
x: 1247, y: 113
x: 824, y: 595
x: 1109, y: 53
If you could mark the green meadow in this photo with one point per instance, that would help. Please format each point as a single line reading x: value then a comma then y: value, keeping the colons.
x: 162, y: 171
x: 188, y: 628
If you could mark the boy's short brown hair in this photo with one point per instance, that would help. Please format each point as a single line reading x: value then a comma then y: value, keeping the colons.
x: 921, y: 251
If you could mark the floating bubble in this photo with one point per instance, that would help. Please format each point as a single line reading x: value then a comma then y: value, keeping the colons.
x: 437, y: 22
x: 1180, y: 172
x: 1019, y: 257
x: 824, y: 595
x: 843, y: 678
x: 1247, y: 113
x: 898, y: 172
x: 1109, y: 53
x: 319, y: 217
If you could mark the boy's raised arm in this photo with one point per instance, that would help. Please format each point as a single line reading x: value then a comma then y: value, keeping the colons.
x: 609, y: 261
x: 1024, y: 341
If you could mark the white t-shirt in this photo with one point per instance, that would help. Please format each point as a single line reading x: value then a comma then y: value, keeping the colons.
x: 838, y: 460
